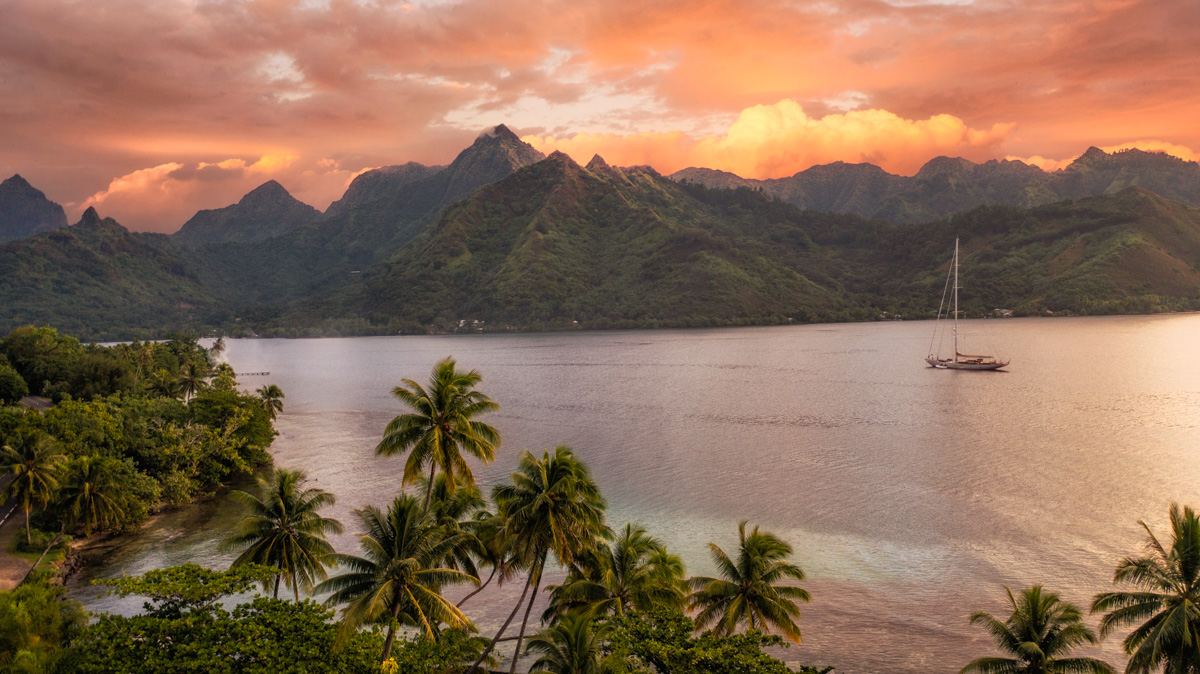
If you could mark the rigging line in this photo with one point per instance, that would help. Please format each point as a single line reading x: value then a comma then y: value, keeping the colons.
x: 938, y: 320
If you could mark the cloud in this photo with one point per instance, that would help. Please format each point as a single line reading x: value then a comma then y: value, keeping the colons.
x: 163, y: 197
x: 1180, y: 151
x: 773, y: 141
x: 374, y: 83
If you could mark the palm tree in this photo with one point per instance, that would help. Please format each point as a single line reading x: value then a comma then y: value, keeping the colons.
x: 441, y: 426
x: 453, y: 511
x: 193, y: 378
x: 397, y: 579
x: 571, y: 646
x: 552, y: 505
x: 749, y: 590
x: 634, y: 572
x: 272, y: 399
x: 165, y: 384
x: 492, y: 546
x: 218, y: 347
x: 91, y: 493
x: 35, y: 462
x: 284, y: 529
x: 1040, y: 629
x: 1165, y: 600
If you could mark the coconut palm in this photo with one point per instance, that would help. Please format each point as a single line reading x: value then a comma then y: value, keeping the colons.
x: 1040, y: 630
x: 272, y: 399
x: 551, y: 506
x: 453, y: 512
x: 285, y: 530
x: 440, y: 426
x: 217, y: 348
x: 493, y: 548
x: 35, y: 463
x: 749, y: 591
x: 165, y: 384
x: 572, y: 646
x: 398, y: 579
x: 634, y: 572
x: 193, y: 378
x: 1164, y: 601
x: 91, y: 493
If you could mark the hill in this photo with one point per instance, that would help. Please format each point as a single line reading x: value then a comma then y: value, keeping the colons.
x: 267, y: 211
x: 24, y: 210
x: 99, y: 281
x: 946, y: 185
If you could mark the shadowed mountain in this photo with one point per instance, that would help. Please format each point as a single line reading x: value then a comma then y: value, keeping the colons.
x: 556, y: 243
x: 99, y: 281
x: 268, y: 210
x: 24, y: 210
x: 948, y: 185
x: 382, y: 210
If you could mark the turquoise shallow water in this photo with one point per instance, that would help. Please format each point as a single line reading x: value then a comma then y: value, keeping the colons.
x: 910, y: 494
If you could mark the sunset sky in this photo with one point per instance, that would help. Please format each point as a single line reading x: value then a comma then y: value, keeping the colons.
x: 152, y: 109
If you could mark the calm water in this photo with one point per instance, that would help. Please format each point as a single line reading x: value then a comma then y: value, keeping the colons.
x: 910, y: 494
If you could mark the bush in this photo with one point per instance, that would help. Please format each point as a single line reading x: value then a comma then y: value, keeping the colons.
x: 12, y: 386
x: 38, y: 540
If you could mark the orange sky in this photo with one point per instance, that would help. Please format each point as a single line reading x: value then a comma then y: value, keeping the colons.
x: 153, y: 109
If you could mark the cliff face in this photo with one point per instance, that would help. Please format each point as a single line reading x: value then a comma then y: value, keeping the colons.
x: 24, y: 210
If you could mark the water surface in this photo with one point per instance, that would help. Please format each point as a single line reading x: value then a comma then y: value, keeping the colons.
x: 910, y: 494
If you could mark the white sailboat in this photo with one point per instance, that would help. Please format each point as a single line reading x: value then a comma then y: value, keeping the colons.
x: 960, y: 361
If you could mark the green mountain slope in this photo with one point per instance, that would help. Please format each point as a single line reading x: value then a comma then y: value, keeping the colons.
x: 947, y: 185
x: 267, y: 211
x: 98, y: 281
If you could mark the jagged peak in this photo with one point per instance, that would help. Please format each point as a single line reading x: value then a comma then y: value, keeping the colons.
x: 597, y: 163
x: 944, y: 164
x: 268, y: 190
x: 17, y: 180
x: 89, y: 217
x: 1093, y: 153
x: 498, y: 133
x: 560, y: 157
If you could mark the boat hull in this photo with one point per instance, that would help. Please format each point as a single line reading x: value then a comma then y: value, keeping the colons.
x: 951, y: 365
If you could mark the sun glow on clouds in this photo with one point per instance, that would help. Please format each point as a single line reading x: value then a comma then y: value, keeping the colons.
x: 1180, y: 151
x: 163, y: 197
x: 772, y: 141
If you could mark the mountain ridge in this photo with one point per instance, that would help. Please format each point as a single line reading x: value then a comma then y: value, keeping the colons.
x: 25, y: 210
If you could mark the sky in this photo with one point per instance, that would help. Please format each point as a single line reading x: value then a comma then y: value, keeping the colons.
x: 151, y: 110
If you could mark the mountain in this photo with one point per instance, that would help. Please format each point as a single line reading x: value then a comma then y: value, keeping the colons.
x: 947, y: 185
x: 381, y: 211
x: 556, y: 244
x: 24, y: 210
x: 99, y: 281
x: 267, y: 211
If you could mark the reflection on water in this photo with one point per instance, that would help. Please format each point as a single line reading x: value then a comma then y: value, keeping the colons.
x: 910, y: 494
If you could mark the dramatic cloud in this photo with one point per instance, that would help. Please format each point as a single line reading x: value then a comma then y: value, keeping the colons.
x: 1046, y: 164
x: 162, y: 198
x: 97, y: 90
x: 772, y: 141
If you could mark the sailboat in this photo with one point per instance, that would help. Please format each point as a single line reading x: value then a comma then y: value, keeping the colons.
x: 960, y: 361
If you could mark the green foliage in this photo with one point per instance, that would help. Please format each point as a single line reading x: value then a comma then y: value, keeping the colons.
x: 751, y: 589
x: 12, y: 386
x: 665, y: 640
x: 284, y: 530
x: 36, y: 623
x: 397, y: 580
x: 1040, y: 630
x: 417, y: 654
x: 440, y: 426
x: 265, y: 636
x: 1163, y: 602
x: 188, y: 588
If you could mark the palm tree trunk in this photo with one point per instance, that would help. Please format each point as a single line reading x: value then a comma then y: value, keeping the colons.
x: 487, y: 651
x: 476, y: 590
x: 28, y: 535
x: 525, y: 621
x: 296, y: 587
x: 277, y: 585
x: 387, y: 645
x: 429, y: 490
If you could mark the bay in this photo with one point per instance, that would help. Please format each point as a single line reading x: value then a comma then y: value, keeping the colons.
x: 910, y: 495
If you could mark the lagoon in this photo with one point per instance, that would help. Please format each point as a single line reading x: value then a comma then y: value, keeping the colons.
x: 910, y: 495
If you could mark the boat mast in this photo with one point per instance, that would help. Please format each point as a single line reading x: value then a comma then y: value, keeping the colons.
x: 956, y: 299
